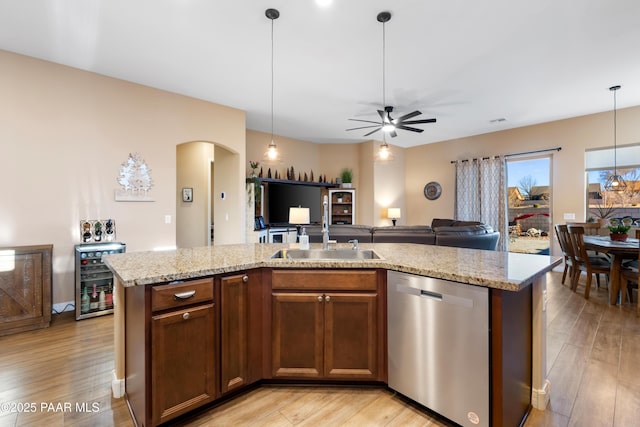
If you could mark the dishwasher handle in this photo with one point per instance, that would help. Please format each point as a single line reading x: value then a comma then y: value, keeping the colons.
x: 435, y: 296
x: 431, y: 295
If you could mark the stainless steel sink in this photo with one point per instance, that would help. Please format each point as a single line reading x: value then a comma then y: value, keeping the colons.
x: 326, y: 254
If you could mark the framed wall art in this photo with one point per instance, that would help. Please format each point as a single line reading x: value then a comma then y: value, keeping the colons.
x: 187, y: 194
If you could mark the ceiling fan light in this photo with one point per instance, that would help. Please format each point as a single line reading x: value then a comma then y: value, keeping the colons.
x: 388, y: 127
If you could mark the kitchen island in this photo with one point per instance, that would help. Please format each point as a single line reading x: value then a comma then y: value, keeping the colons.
x: 507, y: 275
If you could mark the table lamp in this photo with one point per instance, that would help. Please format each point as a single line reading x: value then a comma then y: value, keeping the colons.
x: 393, y: 214
x: 298, y: 216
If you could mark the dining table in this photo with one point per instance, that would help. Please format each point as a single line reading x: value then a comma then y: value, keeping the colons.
x: 618, y: 251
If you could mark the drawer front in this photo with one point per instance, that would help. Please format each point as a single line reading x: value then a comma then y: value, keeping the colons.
x: 180, y: 294
x: 330, y: 280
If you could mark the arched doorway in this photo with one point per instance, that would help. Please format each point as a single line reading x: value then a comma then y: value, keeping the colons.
x: 208, y: 172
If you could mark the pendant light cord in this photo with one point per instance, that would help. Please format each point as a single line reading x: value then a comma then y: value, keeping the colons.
x: 384, y: 55
x: 272, y: 81
x: 615, y: 133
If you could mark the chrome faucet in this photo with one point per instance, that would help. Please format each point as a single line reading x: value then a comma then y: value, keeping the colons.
x: 354, y: 242
x: 325, y: 223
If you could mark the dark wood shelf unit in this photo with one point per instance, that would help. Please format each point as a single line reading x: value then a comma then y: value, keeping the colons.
x: 296, y: 182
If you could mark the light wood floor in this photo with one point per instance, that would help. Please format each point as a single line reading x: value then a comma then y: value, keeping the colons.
x: 593, y: 361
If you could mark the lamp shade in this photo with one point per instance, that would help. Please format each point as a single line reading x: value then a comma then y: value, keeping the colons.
x: 298, y: 215
x: 393, y: 213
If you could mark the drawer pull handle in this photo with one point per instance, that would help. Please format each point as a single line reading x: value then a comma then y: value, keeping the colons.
x: 185, y: 316
x: 245, y: 278
x: 184, y: 295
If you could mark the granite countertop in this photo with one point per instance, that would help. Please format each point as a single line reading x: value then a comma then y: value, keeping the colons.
x: 501, y: 270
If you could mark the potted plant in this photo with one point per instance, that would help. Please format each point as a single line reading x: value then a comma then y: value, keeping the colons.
x: 339, y: 197
x: 346, y: 176
x: 619, y: 232
x: 603, y: 212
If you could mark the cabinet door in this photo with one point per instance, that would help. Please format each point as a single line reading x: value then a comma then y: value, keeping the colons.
x: 25, y: 287
x: 234, y: 319
x: 351, y: 336
x: 297, y: 334
x: 182, y: 361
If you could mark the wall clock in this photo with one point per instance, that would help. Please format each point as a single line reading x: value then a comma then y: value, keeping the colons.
x: 432, y: 190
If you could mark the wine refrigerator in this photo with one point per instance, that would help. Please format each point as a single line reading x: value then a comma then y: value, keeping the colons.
x: 94, y: 280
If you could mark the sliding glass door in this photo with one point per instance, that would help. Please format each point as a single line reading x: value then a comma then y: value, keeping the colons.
x: 529, y: 198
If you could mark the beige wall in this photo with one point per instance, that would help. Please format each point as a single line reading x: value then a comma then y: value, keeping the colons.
x: 65, y: 133
x: 389, y: 183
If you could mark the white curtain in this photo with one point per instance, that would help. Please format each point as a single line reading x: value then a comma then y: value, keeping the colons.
x: 480, y: 194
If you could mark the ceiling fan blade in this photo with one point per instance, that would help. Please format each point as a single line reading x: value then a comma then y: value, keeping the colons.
x: 366, y: 121
x: 415, y: 122
x: 373, y: 131
x: 365, y: 127
x: 409, y: 128
x: 406, y: 116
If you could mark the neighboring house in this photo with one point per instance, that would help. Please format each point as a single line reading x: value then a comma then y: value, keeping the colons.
x: 595, y: 191
x: 514, y: 196
x: 540, y: 192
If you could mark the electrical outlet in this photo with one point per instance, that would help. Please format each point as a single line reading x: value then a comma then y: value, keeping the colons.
x: 167, y: 219
x: 569, y: 216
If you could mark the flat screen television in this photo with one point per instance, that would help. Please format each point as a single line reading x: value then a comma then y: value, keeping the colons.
x: 283, y: 196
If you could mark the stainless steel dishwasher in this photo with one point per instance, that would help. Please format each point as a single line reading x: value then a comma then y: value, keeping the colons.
x: 439, y: 345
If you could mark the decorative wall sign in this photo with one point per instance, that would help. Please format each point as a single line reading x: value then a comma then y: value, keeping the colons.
x: 432, y: 190
x: 135, y: 179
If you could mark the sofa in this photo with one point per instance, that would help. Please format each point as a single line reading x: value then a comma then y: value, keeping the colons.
x: 442, y: 232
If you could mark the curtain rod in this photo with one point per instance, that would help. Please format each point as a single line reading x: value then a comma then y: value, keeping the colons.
x: 513, y: 154
x: 534, y: 152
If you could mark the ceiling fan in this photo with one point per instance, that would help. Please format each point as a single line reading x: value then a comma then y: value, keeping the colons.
x: 388, y: 124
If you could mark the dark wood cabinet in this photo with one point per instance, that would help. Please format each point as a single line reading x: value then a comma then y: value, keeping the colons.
x: 25, y: 288
x: 240, y: 330
x: 171, y: 351
x: 351, y: 335
x: 325, y: 324
x: 182, y: 362
x: 298, y: 335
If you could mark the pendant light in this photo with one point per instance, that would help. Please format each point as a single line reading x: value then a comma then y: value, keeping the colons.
x: 384, y: 152
x: 615, y: 182
x: 272, y: 150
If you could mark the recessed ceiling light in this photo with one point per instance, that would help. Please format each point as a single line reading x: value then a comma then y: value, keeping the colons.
x: 498, y: 120
x: 323, y: 3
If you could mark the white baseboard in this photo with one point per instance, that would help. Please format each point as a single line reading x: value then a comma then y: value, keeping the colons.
x: 540, y: 397
x: 117, y: 386
x: 63, y: 306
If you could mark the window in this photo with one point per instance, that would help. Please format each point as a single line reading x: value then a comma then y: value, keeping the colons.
x: 602, y: 204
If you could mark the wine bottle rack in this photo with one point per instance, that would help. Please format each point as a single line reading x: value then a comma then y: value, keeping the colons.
x: 97, y: 230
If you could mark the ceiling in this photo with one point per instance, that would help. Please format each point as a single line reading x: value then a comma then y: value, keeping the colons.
x: 465, y: 63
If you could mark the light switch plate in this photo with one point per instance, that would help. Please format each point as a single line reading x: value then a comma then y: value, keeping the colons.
x: 569, y: 216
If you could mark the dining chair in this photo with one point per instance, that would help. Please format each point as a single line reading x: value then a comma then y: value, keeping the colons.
x: 590, y: 265
x: 631, y: 279
x: 590, y: 228
x: 562, y: 234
